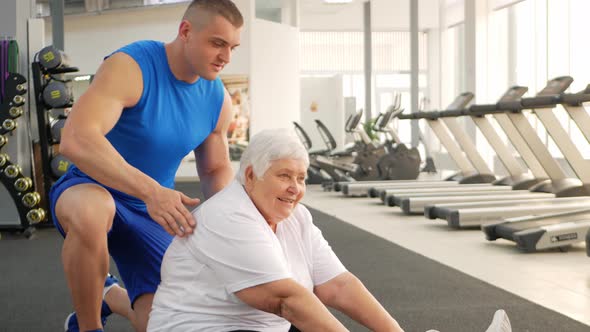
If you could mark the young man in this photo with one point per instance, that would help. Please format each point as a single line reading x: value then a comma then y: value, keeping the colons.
x: 149, y: 105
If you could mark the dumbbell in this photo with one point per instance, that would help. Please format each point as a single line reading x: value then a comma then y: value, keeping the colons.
x: 35, y: 216
x: 4, y: 158
x: 21, y: 88
x: 9, y: 124
x: 56, y: 126
x: 52, y: 58
x: 60, y: 113
x: 15, y: 112
x: 59, y: 165
x: 57, y: 94
x: 23, y: 184
x: 3, y: 140
x: 13, y: 171
x: 18, y: 100
x: 31, y: 199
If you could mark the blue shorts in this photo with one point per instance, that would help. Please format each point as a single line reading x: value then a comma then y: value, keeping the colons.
x: 136, y: 242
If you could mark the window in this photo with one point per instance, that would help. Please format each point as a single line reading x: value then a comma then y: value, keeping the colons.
x: 342, y: 52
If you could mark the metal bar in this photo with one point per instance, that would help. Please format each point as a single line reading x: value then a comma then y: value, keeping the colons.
x: 564, y: 143
x: 57, y: 23
x: 528, y: 133
x: 521, y: 146
x: 415, y: 69
x: 467, y: 145
x: 507, y: 159
x: 368, y: 59
x: 442, y: 132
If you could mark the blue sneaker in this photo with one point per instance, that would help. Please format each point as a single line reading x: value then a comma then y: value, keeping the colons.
x: 71, y: 324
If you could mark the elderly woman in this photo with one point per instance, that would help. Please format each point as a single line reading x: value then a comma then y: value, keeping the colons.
x: 256, y: 261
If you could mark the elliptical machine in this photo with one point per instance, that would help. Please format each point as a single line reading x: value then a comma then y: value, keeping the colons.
x: 315, y: 175
x: 361, y: 164
x: 400, y: 163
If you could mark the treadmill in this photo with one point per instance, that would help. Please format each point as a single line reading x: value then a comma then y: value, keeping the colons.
x: 570, y: 193
x: 561, y: 230
x: 534, y: 233
x: 361, y: 189
x: 518, y: 179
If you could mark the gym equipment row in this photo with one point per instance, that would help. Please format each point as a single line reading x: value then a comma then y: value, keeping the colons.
x: 13, y: 90
x: 538, y: 208
x: 366, y: 159
x: 54, y: 97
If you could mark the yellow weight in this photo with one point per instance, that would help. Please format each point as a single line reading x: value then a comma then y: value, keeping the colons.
x: 49, y: 56
x: 63, y: 165
x: 12, y: 171
x: 9, y: 124
x: 15, y: 112
x: 36, y: 215
x: 23, y: 184
x: 3, y: 159
x: 31, y: 199
x: 18, y: 99
x: 55, y: 94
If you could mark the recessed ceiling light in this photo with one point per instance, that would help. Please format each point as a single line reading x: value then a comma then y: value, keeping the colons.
x: 337, y: 1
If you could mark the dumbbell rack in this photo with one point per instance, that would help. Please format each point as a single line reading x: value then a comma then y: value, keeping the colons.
x: 41, y: 77
x: 19, y: 186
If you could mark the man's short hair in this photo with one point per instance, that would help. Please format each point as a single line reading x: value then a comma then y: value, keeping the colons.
x: 224, y: 8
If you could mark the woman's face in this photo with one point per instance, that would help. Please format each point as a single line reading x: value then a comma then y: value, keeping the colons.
x: 279, y: 190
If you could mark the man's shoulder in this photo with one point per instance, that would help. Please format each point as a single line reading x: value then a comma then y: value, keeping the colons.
x: 145, y: 44
x: 140, y: 48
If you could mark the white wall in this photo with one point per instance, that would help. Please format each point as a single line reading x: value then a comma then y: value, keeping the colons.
x: 274, y: 76
x: 386, y: 15
x: 326, y: 93
x: 88, y: 38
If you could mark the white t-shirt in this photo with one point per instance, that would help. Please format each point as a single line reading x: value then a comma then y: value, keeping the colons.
x: 234, y: 248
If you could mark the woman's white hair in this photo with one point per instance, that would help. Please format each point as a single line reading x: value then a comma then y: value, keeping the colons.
x: 267, y: 146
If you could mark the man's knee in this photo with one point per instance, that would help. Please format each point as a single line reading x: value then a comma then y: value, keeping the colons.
x: 85, y: 209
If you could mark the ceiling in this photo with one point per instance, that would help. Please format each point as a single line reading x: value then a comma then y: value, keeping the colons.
x: 306, y: 6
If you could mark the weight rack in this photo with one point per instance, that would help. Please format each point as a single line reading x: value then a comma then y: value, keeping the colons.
x: 51, y: 92
x: 19, y: 186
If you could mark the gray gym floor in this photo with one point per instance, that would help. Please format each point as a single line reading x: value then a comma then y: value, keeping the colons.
x: 421, y: 293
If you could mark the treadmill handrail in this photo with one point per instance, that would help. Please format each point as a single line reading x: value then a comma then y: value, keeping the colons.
x: 575, y: 99
x: 430, y: 115
x: 483, y: 109
x: 540, y: 101
x: 452, y: 113
x: 509, y: 106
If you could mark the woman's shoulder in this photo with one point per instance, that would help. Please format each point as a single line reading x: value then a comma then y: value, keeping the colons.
x: 302, y: 215
x: 230, y: 204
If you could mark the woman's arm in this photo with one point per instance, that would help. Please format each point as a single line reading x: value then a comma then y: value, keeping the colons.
x: 347, y: 294
x: 287, y: 299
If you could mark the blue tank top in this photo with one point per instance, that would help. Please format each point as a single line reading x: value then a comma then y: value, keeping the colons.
x: 170, y: 120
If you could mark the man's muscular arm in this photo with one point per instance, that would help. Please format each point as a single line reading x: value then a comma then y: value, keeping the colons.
x: 212, y: 155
